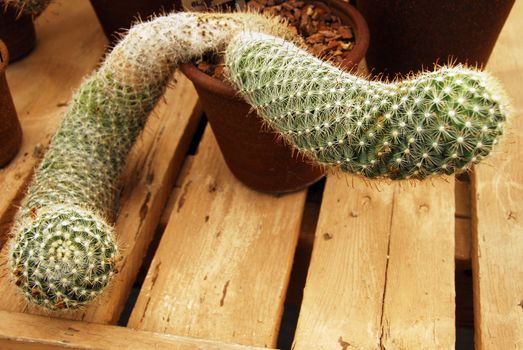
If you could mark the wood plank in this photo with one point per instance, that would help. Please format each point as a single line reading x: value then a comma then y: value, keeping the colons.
x: 497, y: 238
x: 419, y: 310
x: 148, y: 178
x: 382, y: 269
x: 175, y: 193
x: 69, y: 46
x: 28, y: 332
x: 223, y: 264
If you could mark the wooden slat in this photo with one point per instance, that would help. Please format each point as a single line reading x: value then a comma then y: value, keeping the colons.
x: 28, y: 332
x: 223, y: 263
x: 419, y: 310
x: 69, y: 46
x: 497, y: 238
x: 382, y: 269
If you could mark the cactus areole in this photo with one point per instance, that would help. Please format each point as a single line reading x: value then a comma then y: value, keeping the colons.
x: 63, y: 251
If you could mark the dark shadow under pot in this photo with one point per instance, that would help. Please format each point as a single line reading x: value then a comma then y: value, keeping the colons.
x: 254, y: 154
x: 410, y: 35
x: 10, y: 130
x: 17, y: 32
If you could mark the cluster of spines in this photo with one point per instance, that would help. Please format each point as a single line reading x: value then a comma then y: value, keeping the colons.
x: 30, y: 7
x: 437, y: 122
x: 63, y: 252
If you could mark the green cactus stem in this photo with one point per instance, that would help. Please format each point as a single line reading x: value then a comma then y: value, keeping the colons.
x: 437, y: 122
x: 63, y: 252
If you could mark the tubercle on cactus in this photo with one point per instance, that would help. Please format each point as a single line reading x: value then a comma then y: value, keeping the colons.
x: 63, y: 252
x: 437, y: 122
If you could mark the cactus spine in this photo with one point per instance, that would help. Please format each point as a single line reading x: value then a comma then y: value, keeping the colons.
x: 63, y: 250
x: 435, y: 123
x: 30, y: 7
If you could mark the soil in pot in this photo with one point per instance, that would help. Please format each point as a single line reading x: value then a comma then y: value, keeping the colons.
x: 10, y: 130
x: 410, y: 35
x: 117, y: 15
x: 331, y: 28
x: 17, y: 32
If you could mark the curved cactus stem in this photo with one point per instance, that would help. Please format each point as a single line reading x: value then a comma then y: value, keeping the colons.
x: 63, y: 251
x: 437, y: 122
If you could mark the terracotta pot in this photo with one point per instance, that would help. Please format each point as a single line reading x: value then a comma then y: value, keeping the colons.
x: 10, y: 130
x: 117, y: 15
x: 17, y: 32
x: 254, y: 154
x: 410, y: 35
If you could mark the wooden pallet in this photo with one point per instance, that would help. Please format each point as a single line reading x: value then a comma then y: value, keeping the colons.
x: 386, y: 259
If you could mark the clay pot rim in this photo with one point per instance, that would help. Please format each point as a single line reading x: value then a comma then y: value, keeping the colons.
x: 4, y: 56
x: 361, y: 32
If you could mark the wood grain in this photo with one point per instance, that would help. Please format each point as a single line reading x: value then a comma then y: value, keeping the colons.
x: 382, y: 269
x: 69, y: 46
x: 28, y: 332
x: 497, y: 238
x: 223, y: 264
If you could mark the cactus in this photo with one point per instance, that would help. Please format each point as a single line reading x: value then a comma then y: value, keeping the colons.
x: 63, y: 249
x: 437, y: 122
x: 30, y: 7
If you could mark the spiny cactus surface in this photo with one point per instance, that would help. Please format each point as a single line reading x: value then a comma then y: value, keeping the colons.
x: 63, y: 250
x: 30, y: 7
x: 438, y: 122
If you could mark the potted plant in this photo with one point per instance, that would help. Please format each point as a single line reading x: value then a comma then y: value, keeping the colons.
x: 248, y: 147
x: 439, y: 122
x: 16, y: 25
x: 10, y: 130
x: 413, y: 35
x: 63, y: 252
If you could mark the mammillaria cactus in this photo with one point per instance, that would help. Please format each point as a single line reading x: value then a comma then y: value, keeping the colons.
x: 63, y: 251
x: 437, y: 122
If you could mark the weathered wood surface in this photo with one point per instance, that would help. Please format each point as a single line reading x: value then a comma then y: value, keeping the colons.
x: 497, y: 238
x: 382, y: 269
x: 222, y: 267
x: 152, y: 165
x: 28, y: 332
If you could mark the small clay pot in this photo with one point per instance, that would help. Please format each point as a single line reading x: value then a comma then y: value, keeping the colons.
x: 17, y: 32
x: 117, y: 15
x: 254, y: 154
x: 10, y: 130
x: 410, y: 35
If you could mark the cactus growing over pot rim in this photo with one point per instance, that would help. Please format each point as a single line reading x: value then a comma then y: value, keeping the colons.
x: 437, y: 122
